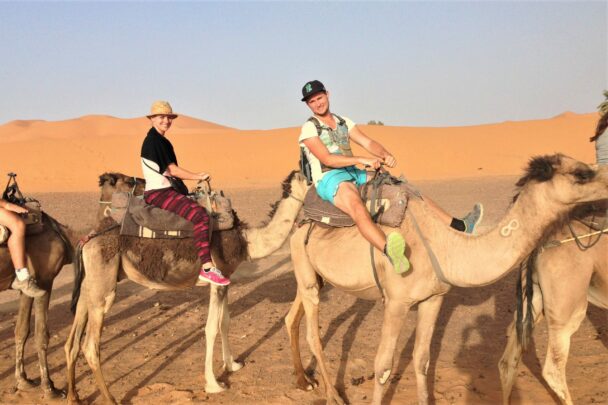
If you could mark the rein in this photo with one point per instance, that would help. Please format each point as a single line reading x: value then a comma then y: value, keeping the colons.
x: 296, y: 198
x: 577, y: 238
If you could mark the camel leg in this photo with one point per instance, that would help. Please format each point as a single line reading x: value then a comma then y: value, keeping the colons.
x: 41, y: 310
x: 394, y: 316
x: 96, y: 312
x: 561, y: 327
x: 72, y: 347
x: 310, y: 300
x: 211, y: 329
x: 428, y: 311
x: 22, y: 331
x: 292, y: 322
x: 229, y: 363
x: 507, y: 366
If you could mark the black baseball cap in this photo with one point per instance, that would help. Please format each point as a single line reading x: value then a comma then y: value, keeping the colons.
x: 311, y: 88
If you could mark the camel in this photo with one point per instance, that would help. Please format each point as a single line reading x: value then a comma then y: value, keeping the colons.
x: 340, y: 256
x: 108, y: 258
x: 564, y: 279
x: 47, y: 253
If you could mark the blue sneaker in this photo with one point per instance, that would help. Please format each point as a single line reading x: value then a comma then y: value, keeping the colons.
x: 473, y: 218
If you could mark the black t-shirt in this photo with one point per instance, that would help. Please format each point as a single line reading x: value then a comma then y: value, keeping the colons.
x: 158, y: 149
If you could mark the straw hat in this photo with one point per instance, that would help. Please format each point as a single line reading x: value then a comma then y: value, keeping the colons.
x: 161, y: 108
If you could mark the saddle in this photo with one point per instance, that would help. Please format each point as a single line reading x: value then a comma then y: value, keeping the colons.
x: 385, y: 196
x: 136, y: 218
x: 32, y: 219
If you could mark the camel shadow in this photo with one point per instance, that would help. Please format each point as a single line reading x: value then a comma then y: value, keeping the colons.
x: 272, y: 290
x: 599, y: 320
x: 477, y: 360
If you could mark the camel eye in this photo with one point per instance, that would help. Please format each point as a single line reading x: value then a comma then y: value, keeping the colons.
x: 583, y: 176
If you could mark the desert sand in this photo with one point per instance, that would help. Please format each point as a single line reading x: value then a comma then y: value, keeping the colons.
x: 69, y: 155
x: 153, y: 342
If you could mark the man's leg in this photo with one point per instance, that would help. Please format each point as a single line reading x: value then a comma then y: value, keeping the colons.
x: 16, y: 247
x: 347, y: 198
x: 466, y: 224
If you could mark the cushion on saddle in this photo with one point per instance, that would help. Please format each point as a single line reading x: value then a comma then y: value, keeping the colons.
x: 33, y: 221
x: 390, y: 199
x: 147, y: 221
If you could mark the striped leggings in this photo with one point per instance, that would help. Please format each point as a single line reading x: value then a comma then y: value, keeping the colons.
x: 170, y: 200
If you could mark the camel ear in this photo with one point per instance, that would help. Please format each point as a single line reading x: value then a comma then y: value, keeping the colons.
x: 107, y: 178
x: 540, y: 168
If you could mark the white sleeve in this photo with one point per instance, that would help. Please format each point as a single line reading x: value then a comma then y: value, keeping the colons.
x: 309, y: 130
x: 349, y: 123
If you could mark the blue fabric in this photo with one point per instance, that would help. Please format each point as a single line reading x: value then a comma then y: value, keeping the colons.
x: 327, y: 187
x: 601, y: 149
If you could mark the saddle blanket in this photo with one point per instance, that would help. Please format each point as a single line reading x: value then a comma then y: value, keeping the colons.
x: 136, y: 218
x: 389, y: 201
x: 33, y: 221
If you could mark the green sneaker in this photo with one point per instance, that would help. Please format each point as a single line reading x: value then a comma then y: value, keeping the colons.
x: 395, y: 250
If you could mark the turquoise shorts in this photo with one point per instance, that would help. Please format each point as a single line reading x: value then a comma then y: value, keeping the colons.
x: 331, y: 180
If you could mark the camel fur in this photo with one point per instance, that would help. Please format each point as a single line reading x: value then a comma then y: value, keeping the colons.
x: 565, y: 279
x: 47, y: 253
x: 109, y: 257
x: 341, y: 257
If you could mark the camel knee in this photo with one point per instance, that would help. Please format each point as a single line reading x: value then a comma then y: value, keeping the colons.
x: 383, y: 376
x: 108, y: 301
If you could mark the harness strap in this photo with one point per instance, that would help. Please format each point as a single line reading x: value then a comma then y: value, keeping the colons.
x: 311, y: 224
x: 372, y: 211
x: 429, y: 251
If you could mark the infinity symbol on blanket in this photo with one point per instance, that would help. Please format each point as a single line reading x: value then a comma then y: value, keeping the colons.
x: 509, y: 228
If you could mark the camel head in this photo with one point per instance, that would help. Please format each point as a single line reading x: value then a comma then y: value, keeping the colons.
x: 296, y: 185
x: 563, y: 180
x: 113, y: 182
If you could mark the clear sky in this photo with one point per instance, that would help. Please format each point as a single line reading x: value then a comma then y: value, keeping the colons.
x: 243, y: 64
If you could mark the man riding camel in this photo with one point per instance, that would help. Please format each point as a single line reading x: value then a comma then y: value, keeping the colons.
x: 325, y: 139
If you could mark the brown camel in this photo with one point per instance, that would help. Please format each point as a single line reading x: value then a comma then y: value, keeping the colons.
x: 564, y: 279
x: 47, y: 253
x: 170, y: 264
x: 341, y: 257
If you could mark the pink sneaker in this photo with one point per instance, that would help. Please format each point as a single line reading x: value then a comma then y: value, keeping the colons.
x: 213, y: 276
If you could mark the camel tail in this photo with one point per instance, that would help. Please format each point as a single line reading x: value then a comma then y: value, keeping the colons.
x: 78, y: 277
x: 525, y: 324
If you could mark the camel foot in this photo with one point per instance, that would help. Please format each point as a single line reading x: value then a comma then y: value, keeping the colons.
x: 73, y: 400
x: 215, y: 388
x: 25, y: 384
x: 306, y: 383
x: 335, y: 400
x: 50, y: 392
x: 234, y: 366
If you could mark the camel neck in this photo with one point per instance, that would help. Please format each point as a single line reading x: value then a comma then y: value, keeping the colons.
x: 469, y: 261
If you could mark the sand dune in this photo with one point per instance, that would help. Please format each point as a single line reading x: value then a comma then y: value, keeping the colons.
x: 69, y: 155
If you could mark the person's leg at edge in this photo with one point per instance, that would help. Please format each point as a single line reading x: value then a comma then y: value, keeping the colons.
x: 172, y: 201
x: 466, y: 224
x: 348, y: 200
x: 16, y: 246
